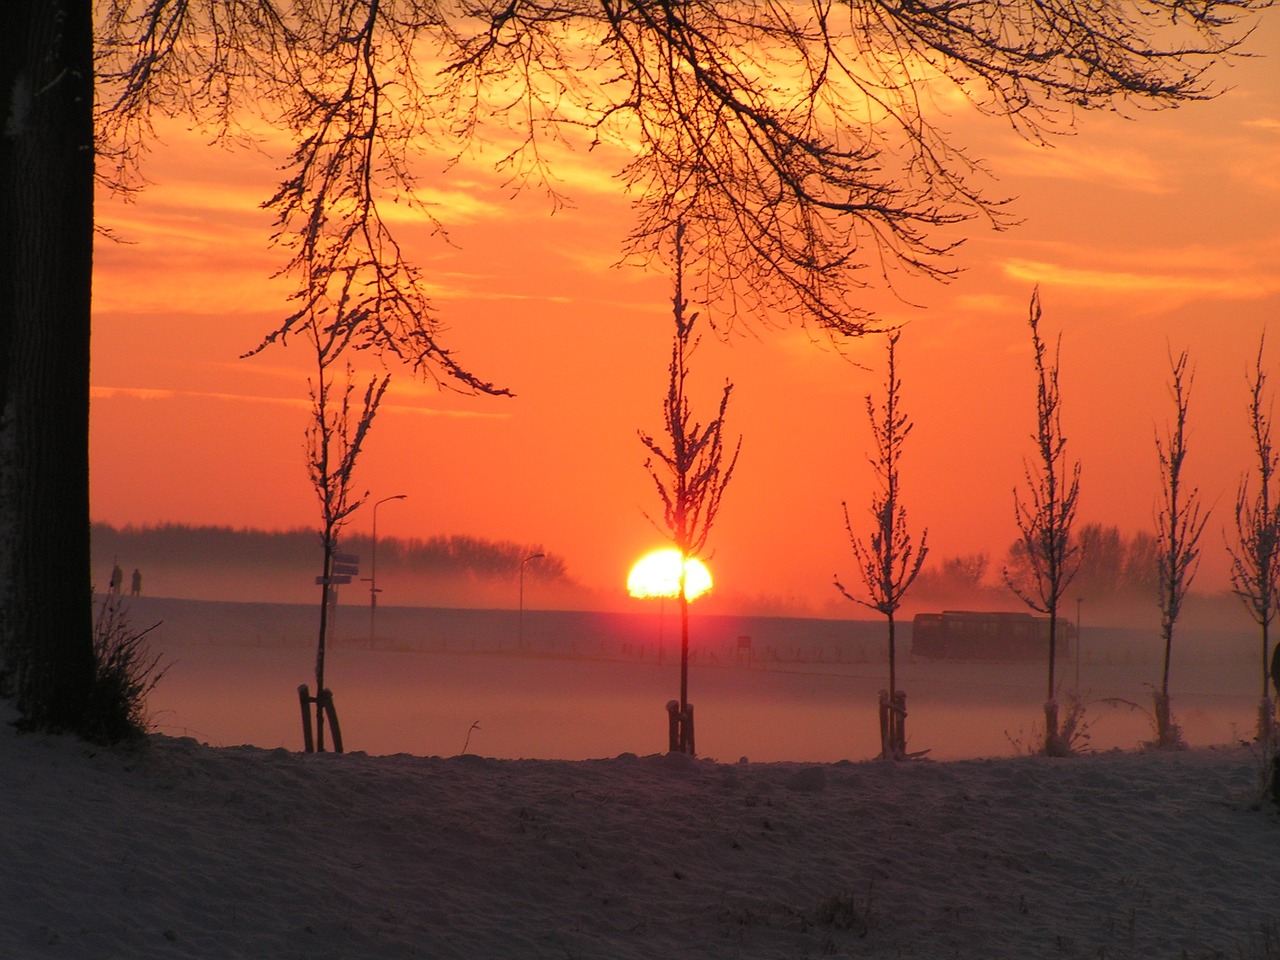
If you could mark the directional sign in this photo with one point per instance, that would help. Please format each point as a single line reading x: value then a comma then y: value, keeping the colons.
x: 346, y: 558
x: 333, y: 581
x: 346, y: 569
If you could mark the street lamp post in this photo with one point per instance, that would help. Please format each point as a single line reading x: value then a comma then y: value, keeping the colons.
x: 373, y: 567
x: 520, y: 623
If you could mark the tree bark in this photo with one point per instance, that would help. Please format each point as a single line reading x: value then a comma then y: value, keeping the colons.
x: 46, y: 264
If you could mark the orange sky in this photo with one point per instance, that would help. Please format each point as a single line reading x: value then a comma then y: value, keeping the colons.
x: 1164, y: 229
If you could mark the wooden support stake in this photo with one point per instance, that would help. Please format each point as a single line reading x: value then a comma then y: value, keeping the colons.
x: 679, y: 728
x: 673, y: 726
x: 326, y: 701
x: 304, y: 698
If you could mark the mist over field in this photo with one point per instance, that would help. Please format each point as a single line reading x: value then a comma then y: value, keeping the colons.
x: 578, y: 685
x: 222, y: 563
x: 460, y: 571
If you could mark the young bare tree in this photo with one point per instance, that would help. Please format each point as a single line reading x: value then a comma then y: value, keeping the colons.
x: 889, y: 561
x: 1255, y: 558
x: 334, y: 442
x: 1046, y: 515
x: 1179, y: 524
x: 793, y: 142
x: 690, y: 474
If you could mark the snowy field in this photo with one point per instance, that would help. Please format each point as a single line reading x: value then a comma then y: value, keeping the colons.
x: 178, y: 850
x: 193, y: 846
x: 574, y: 686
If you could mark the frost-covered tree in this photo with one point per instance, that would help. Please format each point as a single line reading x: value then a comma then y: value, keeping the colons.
x: 690, y: 472
x: 1255, y: 556
x: 334, y: 439
x: 1179, y: 524
x: 889, y: 560
x: 1045, y: 516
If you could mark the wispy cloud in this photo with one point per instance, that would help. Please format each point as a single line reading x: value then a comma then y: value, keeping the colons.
x: 150, y: 393
x: 464, y: 203
x: 462, y: 286
x: 1269, y: 124
x: 1235, y: 286
x: 1086, y: 162
x: 988, y: 303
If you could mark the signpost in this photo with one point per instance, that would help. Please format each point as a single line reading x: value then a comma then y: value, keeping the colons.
x: 342, y: 567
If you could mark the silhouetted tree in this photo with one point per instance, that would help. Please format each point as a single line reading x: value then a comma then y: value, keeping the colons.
x: 889, y: 561
x: 1255, y: 558
x: 46, y: 260
x: 334, y: 442
x: 1101, y: 555
x: 1112, y: 566
x: 795, y: 146
x: 968, y: 570
x: 1179, y: 523
x: 1045, y: 518
x: 1141, y: 574
x: 171, y: 545
x: 690, y: 474
x: 953, y: 579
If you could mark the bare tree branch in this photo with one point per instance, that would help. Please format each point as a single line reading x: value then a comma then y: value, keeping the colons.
x: 801, y: 145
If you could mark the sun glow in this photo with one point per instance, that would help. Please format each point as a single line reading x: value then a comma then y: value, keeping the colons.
x: 657, y: 574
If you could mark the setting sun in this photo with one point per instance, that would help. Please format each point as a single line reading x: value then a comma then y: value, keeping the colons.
x: 657, y: 574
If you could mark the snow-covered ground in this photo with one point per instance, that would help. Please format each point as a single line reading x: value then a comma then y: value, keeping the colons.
x: 414, y: 847
x: 180, y: 850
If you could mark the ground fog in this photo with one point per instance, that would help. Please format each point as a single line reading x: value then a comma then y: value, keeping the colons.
x: 561, y: 685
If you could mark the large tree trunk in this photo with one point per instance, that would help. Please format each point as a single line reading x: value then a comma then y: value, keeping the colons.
x: 46, y: 260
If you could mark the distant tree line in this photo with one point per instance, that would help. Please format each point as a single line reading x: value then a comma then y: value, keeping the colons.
x: 1114, y: 566
x: 182, y: 545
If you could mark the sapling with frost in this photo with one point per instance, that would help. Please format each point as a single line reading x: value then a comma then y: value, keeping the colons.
x: 1046, y: 516
x: 889, y: 561
x: 335, y: 438
x: 690, y: 475
x: 1255, y: 558
x: 1179, y: 523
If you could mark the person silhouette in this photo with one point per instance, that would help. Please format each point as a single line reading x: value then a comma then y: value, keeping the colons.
x: 117, y: 575
x: 136, y: 586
